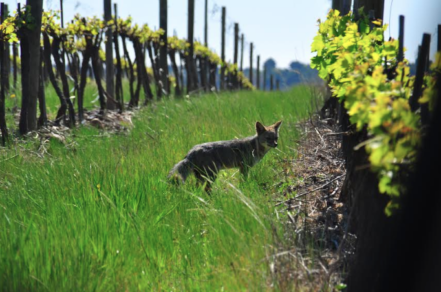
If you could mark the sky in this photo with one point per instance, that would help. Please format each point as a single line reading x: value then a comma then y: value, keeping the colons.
x: 279, y: 29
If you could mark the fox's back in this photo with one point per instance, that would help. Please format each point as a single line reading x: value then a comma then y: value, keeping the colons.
x: 222, y: 154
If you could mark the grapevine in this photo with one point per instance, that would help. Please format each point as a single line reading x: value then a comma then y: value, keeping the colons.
x: 363, y: 72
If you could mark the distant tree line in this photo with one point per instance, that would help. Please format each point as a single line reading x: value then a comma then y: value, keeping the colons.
x: 295, y: 74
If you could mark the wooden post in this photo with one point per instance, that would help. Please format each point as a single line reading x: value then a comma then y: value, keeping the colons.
x: 264, y: 77
x: 242, y: 40
x: 345, y: 6
x: 236, y: 53
x: 236, y: 43
x: 110, y: 86
x: 181, y: 71
x: 222, y: 76
x: 206, y: 61
x: 400, y: 57
x: 3, y: 127
x: 7, y: 53
x: 419, y: 76
x: 15, y: 53
x: 251, y: 63
x: 425, y: 113
x: 119, y: 87
x: 439, y: 38
x: 376, y: 5
x: 206, y: 24
x: 272, y: 82
x: 190, y: 40
x: 355, y: 7
x: 63, y: 57
x: 61, y: 13
x: 258, y: 73
x: 14, y: 63
x: 163, y: 71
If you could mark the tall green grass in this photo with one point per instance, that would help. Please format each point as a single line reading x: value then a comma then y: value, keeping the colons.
x: 98, y: 214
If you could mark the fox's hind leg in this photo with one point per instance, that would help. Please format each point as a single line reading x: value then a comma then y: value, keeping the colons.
x: 207, y: 177
x: 199, y: 177
x: 211, y: 177
x: 244, y: 169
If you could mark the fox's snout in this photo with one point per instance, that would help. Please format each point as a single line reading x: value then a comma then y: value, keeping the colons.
x: 272, y: 144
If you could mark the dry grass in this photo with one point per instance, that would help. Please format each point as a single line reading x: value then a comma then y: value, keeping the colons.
x: 317, y: 246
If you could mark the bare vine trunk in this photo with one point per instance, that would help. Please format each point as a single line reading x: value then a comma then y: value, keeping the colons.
x: 61, y: 69
x: 30, y: 68
x: 172, y: 54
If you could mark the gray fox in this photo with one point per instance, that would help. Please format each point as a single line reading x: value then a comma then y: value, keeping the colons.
x: 205, y: 160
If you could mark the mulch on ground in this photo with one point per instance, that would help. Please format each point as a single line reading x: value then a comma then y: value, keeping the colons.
x: 318, y: 247
x: 112, y: 122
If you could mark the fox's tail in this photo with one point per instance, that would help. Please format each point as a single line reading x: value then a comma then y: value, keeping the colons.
x: 180, y: 171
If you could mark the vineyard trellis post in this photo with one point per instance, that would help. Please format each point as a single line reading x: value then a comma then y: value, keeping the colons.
x: 190, y: 39
x: 236, y: 53
x: 3, y: 126
x: 422, y: 65
x: 345, y: 6
x: 206, y: 24
x: 163, y: 23
x: 419, y: 76
x: 251, y: 63
x: 7, y: 53
x: 242, y: 41
x: 14, y: 64
x: 376, y: 5
x: 206, y: 64
x: 258, y: 73
x: 264, y: 78
x: 118, y: 82
x: 222, y: 75
x: 400, y: 57
x: 110, y: 72
x: 63, y: 51
x: 439, y: 38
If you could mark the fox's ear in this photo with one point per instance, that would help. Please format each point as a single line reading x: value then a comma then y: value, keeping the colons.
x: 260, y: 129
x: 277, y: 125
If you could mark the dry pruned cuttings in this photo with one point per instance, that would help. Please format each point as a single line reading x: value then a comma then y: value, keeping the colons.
x: 316, y: 222
x: 112, y: 122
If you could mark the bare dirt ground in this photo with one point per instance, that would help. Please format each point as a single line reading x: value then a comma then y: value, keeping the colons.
x: 317, y: 247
